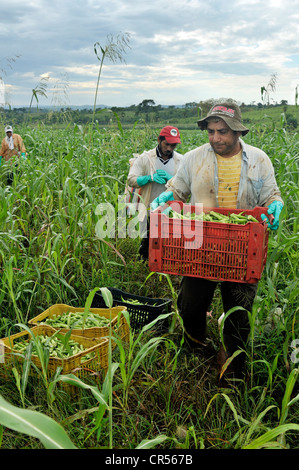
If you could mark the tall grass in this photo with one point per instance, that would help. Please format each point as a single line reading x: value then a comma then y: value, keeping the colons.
x: 163, y: 394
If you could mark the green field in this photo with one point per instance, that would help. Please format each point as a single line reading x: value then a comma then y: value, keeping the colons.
x: 160, y: 394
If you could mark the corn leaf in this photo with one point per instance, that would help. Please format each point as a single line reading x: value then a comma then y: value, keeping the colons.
x: 107, y: 296
x: 35, y: 424
x: 72, y: 379
x: 267, y: 439
x: 150, y: 443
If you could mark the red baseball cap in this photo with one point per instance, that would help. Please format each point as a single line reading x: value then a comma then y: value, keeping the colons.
x: 171, y: 134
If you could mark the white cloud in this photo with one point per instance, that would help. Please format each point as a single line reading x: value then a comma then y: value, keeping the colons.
x: 184, y: 51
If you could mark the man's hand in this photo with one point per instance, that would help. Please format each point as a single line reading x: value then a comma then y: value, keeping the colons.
x: 164, y: 175
x: 162, y: 199
x: 143, y: 180
x: 274, y: 209
x: 158, y: 179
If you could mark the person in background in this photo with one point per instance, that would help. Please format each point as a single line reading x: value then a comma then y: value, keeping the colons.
x: 226, y: 172
x: 151, y: 170
x: 12, y: 146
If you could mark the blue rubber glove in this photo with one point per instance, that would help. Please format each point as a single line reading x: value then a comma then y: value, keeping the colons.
x: 162, y: 199
x: 275, y: 209
x: 164, y: 175
x: 23, y: 155
x: 158, y: 179
x: 0, y: 159
x: 142, y: 180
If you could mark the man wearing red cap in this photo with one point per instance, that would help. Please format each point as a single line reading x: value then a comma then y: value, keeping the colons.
x: 152, y: 170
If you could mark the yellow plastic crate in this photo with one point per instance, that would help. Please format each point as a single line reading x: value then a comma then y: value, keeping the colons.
x: 76, y: 364
x: 121, y: 328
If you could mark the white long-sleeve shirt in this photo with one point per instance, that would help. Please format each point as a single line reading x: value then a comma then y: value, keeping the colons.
x: 147, y: 164
x: 198, y: 177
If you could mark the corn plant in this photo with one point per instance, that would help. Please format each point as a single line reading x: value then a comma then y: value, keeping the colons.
x: 113, y: 51
x: 39, y: 90
x: 132, y: 356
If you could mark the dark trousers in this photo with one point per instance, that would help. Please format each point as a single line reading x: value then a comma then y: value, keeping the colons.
x: 144, y: 245
x: 194, y: 300
x: 10, y: 176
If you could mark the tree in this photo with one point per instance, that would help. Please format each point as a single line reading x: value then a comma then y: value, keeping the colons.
x: 191, y: 105
x: 146, y: 103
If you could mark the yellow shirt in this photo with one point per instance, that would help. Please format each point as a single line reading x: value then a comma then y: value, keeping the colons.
x: 229, y: 170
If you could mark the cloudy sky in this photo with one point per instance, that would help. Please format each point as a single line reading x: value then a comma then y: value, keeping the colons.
x: 179, y: 50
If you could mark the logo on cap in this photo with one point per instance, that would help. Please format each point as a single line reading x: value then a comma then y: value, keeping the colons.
x: 174, y: 132
x: 222, y: 109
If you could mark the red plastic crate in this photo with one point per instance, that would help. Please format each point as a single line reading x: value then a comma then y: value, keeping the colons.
x: 224, y: 252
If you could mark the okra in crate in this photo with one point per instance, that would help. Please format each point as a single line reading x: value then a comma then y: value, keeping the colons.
x: 217, y: 244
x: 73, y: 354
x: 96, y: 324
x: 142, y: 310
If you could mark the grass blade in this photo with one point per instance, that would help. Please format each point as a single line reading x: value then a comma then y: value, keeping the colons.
x: 150, y: 443
x: 35, y: 424
x: 266, y: 440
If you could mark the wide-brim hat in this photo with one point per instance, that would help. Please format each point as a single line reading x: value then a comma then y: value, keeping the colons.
x: 231, y: 115
x: 171, y: 134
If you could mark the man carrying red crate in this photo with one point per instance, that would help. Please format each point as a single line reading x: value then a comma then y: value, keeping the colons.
x: 226, y: 172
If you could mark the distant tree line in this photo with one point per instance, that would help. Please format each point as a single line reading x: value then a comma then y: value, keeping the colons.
x: 147, y: 112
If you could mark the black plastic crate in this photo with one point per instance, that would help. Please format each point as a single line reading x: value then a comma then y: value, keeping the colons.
x: 142, y: 314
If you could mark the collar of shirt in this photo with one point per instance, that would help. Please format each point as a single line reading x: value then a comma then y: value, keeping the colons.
x: 10, y: 142
x: 244, y: 154
x: 159, y: 155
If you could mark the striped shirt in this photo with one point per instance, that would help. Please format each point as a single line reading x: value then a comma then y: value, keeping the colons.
x: 229, y: 170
